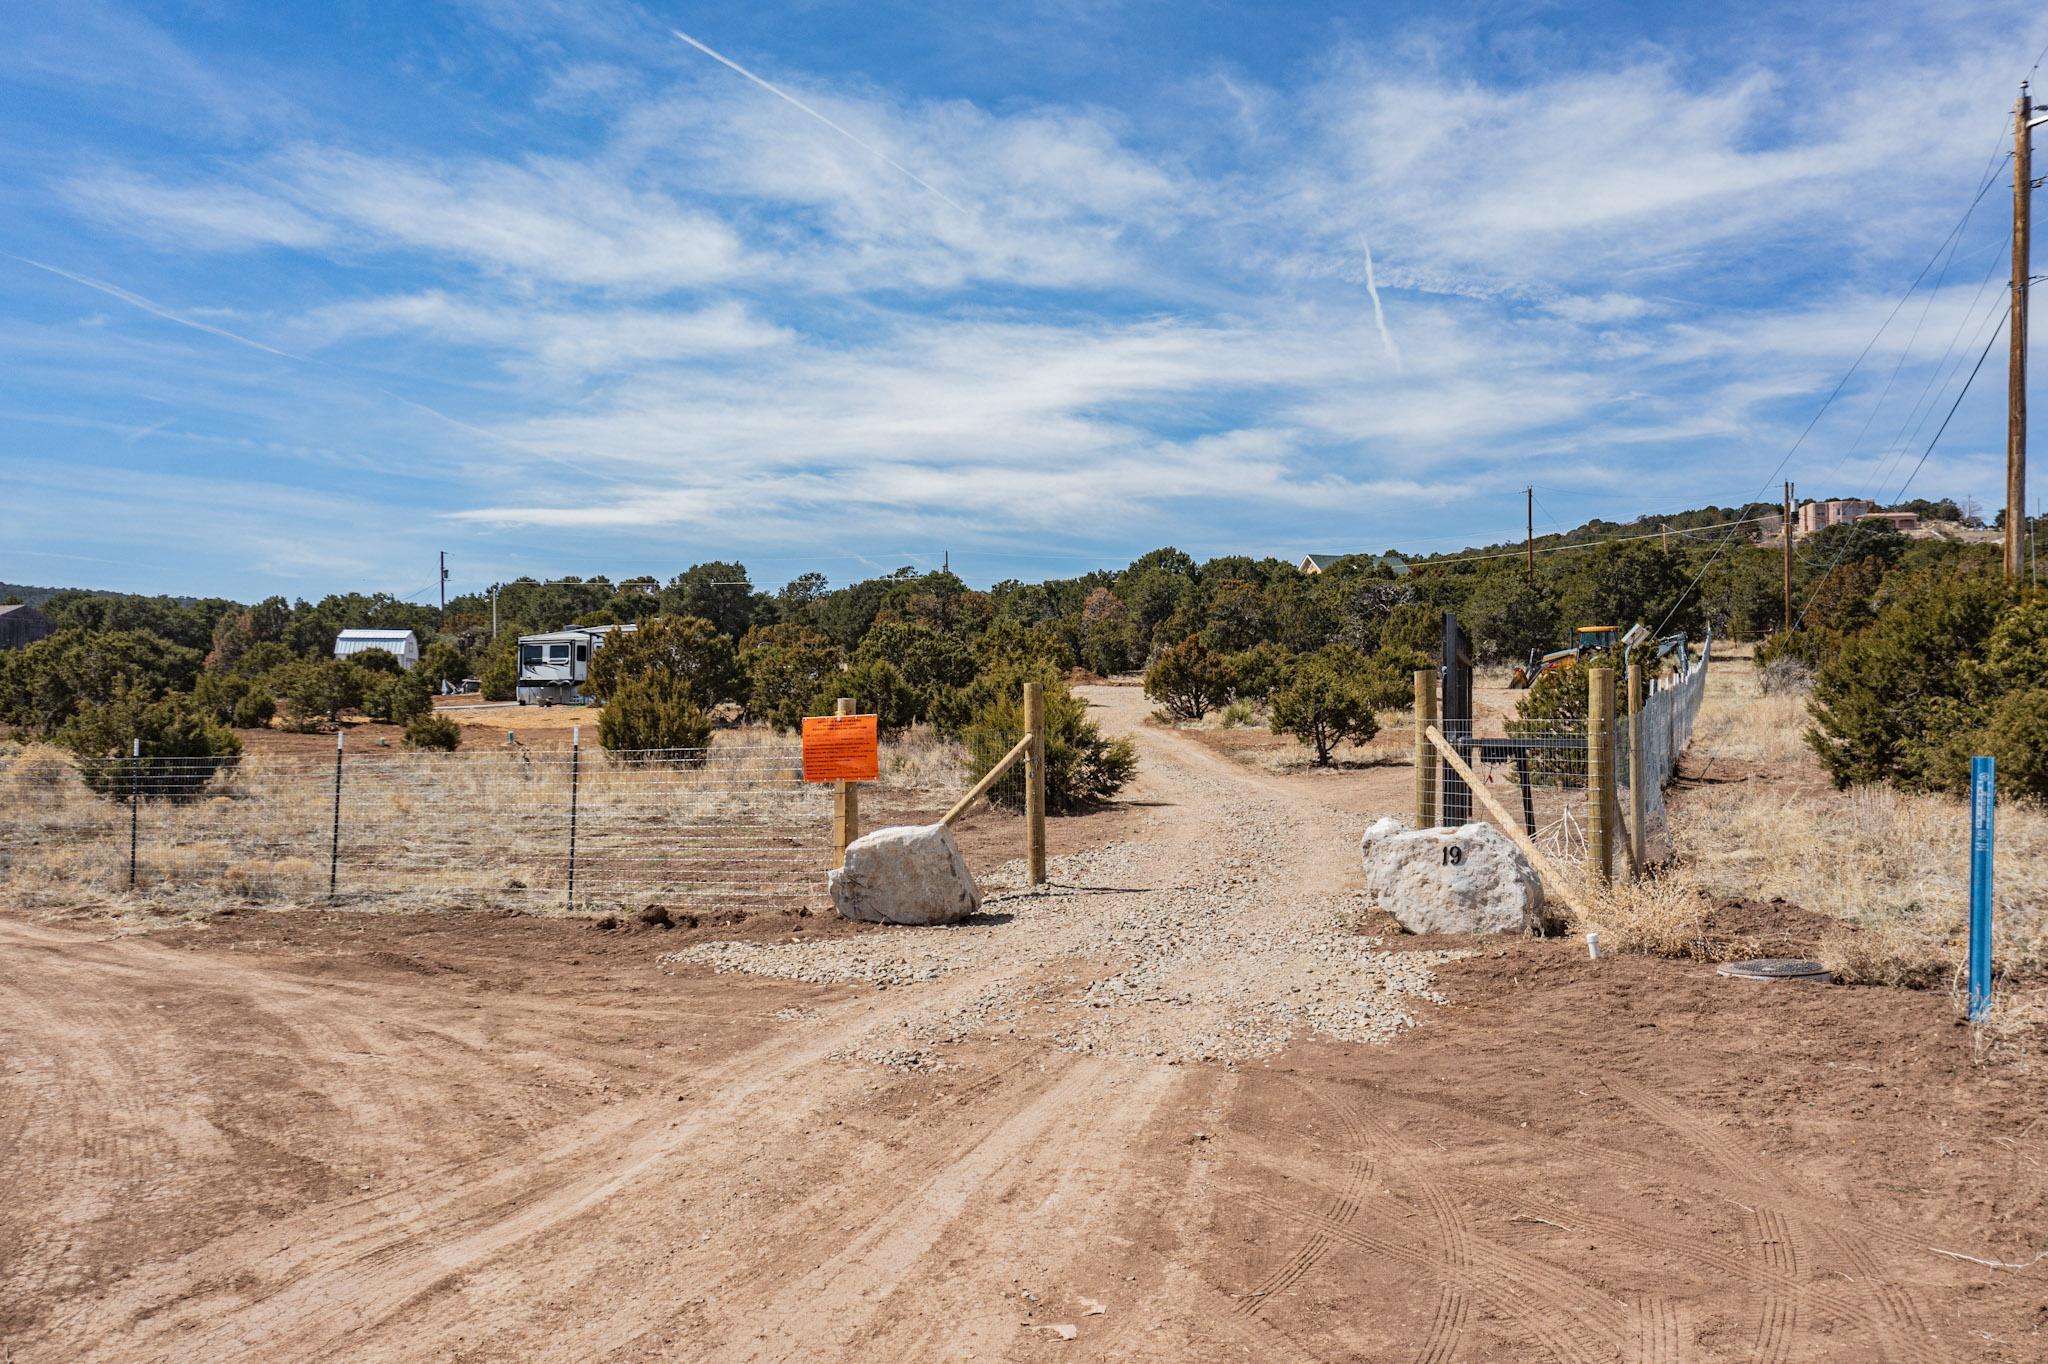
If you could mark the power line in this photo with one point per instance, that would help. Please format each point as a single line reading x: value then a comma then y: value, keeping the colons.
x: 1836, y: 392
x: 1843, y: 551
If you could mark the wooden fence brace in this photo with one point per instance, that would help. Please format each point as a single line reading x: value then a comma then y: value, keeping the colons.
x: 1425, y: 756
x: 575, y: 763
x: 1638, y: 790
x: 1600, y: 798
x: 1034, y: 783
x: 988, y: 779
x: 845, y: 802
x: 1544, y: 866
x: 334, y: 840
x: 134, y: 804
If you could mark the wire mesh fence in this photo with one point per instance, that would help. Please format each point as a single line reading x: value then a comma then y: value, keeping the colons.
x: 1536, y: 770
x: 1666, y: 721
x: 1539, y: 770
x: 577, y: 829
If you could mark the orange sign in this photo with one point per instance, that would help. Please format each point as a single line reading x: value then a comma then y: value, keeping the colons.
x: 842, y: 748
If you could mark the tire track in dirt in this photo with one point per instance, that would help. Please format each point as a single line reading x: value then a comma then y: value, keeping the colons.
x: 1894, y: 1312
x: 838, y: 1297
x: 1341, y: 1206
x: 1576, y: 1322
x: 374, y: 1247
x: 837, y: 1194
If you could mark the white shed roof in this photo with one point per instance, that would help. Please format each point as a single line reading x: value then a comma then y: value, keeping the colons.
x: 373, y: 634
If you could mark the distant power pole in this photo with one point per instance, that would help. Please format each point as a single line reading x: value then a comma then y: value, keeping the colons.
x: 1786, y: 535
x: 2023, y: 121
x: 1529, y: 534
x: 1665, y: 528
x: 444, y: 587
x: 946, y: 564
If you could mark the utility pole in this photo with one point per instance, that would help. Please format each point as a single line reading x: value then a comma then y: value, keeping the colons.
x: 1529, y: 534
x: 2016, y: 333
x: 1665, y: 528
x: 1786, y: 535
x: 444, y: 587
x: 494, y: 610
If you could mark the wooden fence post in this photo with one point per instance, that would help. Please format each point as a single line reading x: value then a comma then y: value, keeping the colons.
x: 1599, y: 776
x: 1425, y: 754
x: 845, y: 803
x: 1638, y: 791
x: 1034, y: 783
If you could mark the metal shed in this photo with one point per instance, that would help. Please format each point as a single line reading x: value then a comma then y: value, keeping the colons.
x: 400, y: 643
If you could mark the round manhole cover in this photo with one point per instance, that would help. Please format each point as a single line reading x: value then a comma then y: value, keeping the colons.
x: 1776, y: 968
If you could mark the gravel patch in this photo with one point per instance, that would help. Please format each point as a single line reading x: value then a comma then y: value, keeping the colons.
x: 1215, y: 940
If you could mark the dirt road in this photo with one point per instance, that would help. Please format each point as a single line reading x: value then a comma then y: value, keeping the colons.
x: 301, y: 1136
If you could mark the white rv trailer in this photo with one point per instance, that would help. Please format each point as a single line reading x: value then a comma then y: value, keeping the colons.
x: 552, y: 667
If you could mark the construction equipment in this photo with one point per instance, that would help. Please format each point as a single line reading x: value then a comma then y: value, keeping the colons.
x: 1589, y: 639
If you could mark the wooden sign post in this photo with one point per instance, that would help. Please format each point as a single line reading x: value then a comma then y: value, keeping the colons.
x: 844, y: 749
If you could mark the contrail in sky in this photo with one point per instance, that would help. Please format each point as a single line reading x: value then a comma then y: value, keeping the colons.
x: 1379, y: 315
x: 876, y: 152
x: 138, y: 301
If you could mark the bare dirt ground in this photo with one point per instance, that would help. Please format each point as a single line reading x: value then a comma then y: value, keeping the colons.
x: 291, y: 1135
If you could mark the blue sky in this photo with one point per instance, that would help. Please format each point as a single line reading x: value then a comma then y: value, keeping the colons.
x: 293, y: 297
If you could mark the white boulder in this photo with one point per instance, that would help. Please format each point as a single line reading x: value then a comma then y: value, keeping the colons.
x: 1471, y: 879
x: 908, y: 874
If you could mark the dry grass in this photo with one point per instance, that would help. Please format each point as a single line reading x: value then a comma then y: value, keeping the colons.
x: 2015, y: 1029
x: 1894, y: 865
x: 1662, y: 916
x: 485, y: 828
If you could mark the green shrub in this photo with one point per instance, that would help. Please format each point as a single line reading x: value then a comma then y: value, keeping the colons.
x: 399, y: 698
x: 182, y: 744
x: 261, y: 657
x: 242, y: 702
x: 45, y: 684
x: 684, y: 651
x: 877, y: 689
x: 498, y: 678
x: 1082, y: 768
x: 930, y: 663
x: 316, y: 693
x: 1256, y: 673
x: 653, y: 713
x: 1897, y: 702
x: 1327, y: 702
x: 1188, y: 680
x: 441, y: 662
x: 432, y: 731
x: 788, y: 667
x: 381, y: 662
x: 1237, y: 714
x: 1390, y: 677
x: 2018, y: 737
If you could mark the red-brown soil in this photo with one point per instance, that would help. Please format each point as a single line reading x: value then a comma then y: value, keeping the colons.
x: 298, y: 1135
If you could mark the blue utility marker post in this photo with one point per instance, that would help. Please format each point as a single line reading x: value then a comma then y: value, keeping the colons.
x: 1982, y: 840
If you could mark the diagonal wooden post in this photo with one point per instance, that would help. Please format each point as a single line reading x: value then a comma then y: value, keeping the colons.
x: 1544, y: 866
x: 1425, y: 754
x: 845, y: 803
